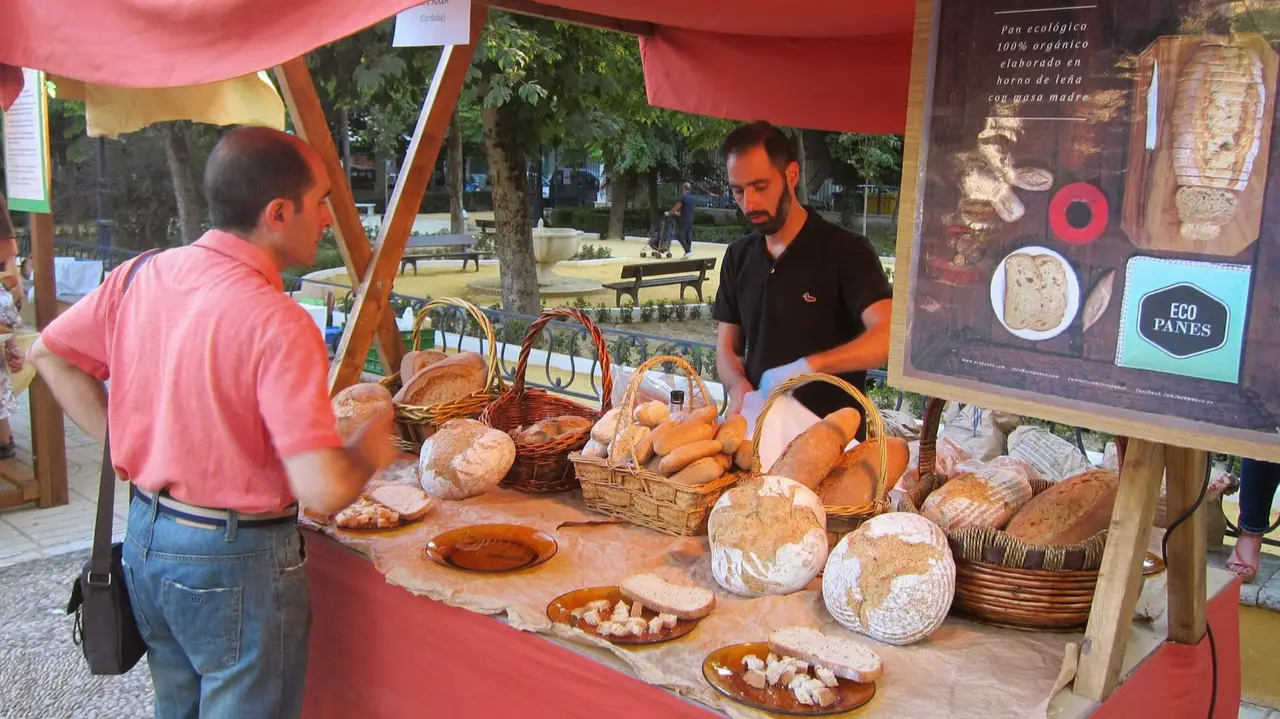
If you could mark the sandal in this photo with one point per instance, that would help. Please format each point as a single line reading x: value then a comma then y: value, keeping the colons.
x: 1246, y: 572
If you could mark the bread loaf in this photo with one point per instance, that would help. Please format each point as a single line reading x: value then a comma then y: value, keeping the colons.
x: 978, y: 499
x: 606, y: 428
x: 706, y: 413
x: 652, y: 414
x: 445, y: 381
x: 595, y: 450
x: 418, y: 360
x: 464, y: 459
x: 852, y: 482
x: 549, y: 429
x: 686, y: 432
x: 1205, y: 205
x: 849, y: 420
x: 767, y: 536
x: 356, y: 405
x: 742, y: 458
x: 1069, y: 512
x: 809, y: 457
x: 891, y: 579
x: 631, y: 438
x: 1218, y: 117
x: 731, y: 433
x: 687, y: 454
x: 707, y: 469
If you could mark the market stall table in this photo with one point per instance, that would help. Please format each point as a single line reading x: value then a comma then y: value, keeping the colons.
x: 379, y: 650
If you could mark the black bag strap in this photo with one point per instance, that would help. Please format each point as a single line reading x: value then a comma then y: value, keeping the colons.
x: 100, y: 563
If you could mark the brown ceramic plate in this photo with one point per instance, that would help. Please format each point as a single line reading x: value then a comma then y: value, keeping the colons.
x: 560, y: 611
x: 1152, y: 564
x: 723, y: 670
x: 492, y: 548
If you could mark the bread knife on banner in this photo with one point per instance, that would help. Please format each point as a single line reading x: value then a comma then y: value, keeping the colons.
x: 1152, y: 109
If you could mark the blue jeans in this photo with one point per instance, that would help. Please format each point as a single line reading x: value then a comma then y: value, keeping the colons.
x: 225, y: 613
x: 1258, y: 482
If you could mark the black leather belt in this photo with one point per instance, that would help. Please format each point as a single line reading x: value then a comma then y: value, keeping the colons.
x: 214, y: 517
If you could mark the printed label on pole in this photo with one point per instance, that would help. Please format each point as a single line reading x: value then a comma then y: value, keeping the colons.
x: 435, y: 22
x: 26, y: 147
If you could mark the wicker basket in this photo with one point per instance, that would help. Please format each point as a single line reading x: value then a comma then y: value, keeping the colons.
x: 840, y: 519
x: 643, y: 497
x: 1003, y: 581
x: 545, y: 468
x: 414, y: 422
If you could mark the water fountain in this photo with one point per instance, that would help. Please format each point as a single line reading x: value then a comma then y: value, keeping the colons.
x: 551, y: 245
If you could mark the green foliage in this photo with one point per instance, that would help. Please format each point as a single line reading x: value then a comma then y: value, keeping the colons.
x: 722, y: 234
x: 871, y: 156
x: 591, y: 252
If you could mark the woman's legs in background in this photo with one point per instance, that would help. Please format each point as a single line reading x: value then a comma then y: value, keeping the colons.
x: 1258, y: 482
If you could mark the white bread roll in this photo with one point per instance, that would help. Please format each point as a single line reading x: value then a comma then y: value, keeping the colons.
x: 767, y: 536
x: 464, y: 459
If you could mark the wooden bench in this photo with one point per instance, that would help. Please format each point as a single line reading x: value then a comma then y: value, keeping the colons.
x: 660, y: 274
x: 486, y: 225
x: 425, y: 247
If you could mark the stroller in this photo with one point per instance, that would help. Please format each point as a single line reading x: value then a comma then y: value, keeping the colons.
x: 660, y: 238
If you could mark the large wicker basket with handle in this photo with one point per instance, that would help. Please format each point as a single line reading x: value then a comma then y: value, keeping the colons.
x: 642, y: 497
x: 545, y: 467
x: 1004, y: 581
x: 841, y: 519
x: 417, y: 422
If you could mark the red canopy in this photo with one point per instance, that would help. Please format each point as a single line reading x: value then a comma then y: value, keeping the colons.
x: 823, y: 64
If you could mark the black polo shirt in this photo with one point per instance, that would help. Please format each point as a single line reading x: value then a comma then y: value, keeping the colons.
x: 807, y: 301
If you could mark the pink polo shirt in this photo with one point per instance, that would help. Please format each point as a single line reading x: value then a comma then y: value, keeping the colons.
x: 215, y: 373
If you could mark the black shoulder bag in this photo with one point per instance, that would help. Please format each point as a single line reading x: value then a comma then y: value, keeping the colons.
x: 104, y: 625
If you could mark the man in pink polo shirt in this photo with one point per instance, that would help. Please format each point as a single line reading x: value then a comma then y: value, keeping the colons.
x: 220, y: 418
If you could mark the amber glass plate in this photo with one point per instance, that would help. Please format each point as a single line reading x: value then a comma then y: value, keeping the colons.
x: 560, y: 610
x: 1152, y: 564
x: 723, y: 670
x: 492, y: 548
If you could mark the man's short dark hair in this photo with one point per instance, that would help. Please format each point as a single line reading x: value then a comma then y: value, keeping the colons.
x: 780, y: 149
x: 248, y: 168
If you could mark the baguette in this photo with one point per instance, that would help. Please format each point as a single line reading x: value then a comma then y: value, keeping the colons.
x: 742, y: 457
x: 631, y: 437
x: 656, y: 593
x: 687, y: 454
x: 731, y: 433
x: 595, y: 449
x: 605, y: 429
x: 849, y: 420
x: 687, y: 432
x: 846, y: 658
x: 707, y: 414
x: 852, y: 483
x: 808, y: 459
x: 652, y: 414
x: 707, y: 469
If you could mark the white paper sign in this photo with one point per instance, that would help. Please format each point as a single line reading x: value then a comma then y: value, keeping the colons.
x: 436, y: 22
x: 26, y: 147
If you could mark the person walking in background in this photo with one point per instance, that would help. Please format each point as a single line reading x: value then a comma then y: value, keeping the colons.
x: 683, y: 209
x: 1258, y: 483
x: 220, y: 418
x: 10, y: 321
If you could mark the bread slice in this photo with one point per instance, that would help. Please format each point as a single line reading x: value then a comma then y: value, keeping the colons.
x: 1022, y: 292
x: 658, y: 594
x: 409, y: 502
x: 1199, y: 232
x: 1053, y: 293
x: 1206, y: 205
x: 846, y: 658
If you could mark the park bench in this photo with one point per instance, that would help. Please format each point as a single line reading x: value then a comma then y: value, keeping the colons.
x: 487, y: 225
x: 661, y: 274
x: 441, y: 247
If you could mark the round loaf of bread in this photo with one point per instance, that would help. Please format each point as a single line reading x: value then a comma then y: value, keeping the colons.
x: 768, y: 536
x: 891, y: 579
x: 464, y: 458
x: 359, y: 403
x: 987, y: 498
x: 1069, y: 512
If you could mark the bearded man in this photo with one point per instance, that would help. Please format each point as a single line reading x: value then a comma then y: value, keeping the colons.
x: 798, y: 294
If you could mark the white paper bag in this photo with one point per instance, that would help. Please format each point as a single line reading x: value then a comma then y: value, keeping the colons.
x: 786, y: 420
x: 1053, y: 457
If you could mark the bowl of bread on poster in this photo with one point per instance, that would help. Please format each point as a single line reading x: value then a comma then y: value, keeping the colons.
x: 1035, y: 293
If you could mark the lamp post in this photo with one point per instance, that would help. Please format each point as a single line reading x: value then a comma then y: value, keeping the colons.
x: 104, y: 232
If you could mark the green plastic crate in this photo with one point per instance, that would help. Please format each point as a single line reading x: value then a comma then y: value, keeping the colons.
x: 371, y: 363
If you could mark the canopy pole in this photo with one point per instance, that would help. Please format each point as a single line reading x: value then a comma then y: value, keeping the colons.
x: 48, y: 433
x: 411, y: 184
x: 299, y: 92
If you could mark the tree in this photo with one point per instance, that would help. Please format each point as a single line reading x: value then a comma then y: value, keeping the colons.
x: 185, y: 175
x: 870, y: 156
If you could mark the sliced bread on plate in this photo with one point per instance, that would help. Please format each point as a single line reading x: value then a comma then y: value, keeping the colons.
x: 847, y: 658
x: 658, y: 594
x: 409, y: 502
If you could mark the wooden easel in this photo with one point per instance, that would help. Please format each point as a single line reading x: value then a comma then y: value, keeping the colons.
x: 1119, y: 578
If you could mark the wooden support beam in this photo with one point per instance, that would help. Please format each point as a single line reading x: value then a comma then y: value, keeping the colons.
x: 1111, y: 616
x: 411, y: 184
x: 1188, y: 544
x: 575, y: 17
x: 299, y: 92
x: 48, y: 434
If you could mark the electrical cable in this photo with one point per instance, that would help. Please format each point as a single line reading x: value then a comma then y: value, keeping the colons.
x: 1164, y: 554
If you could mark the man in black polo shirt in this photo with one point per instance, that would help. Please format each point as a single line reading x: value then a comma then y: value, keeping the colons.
x: 798, y: 294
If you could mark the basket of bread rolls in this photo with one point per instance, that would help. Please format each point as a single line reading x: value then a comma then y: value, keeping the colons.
x: 1027, y: 550
x: 433, y: 387
x: 853, y: 485
x: 657, y: 470
x: 547, y: 427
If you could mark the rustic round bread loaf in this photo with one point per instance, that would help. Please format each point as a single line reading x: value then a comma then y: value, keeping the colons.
x: 767, y: 536
x: 1069, y: 512
x: 984, y: 498
x: 359, y: 403
x: 891, y: 579
x: 464, y: 458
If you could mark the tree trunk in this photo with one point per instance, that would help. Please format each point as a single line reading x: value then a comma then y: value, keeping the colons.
x: 617, y: 203
x: 344, y: 135
x: 508, y: 179
x: 380, y: 175
x: 453, y: 164
x: 655, y: 212
x: 186, y: 188
x: 802, y: 187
